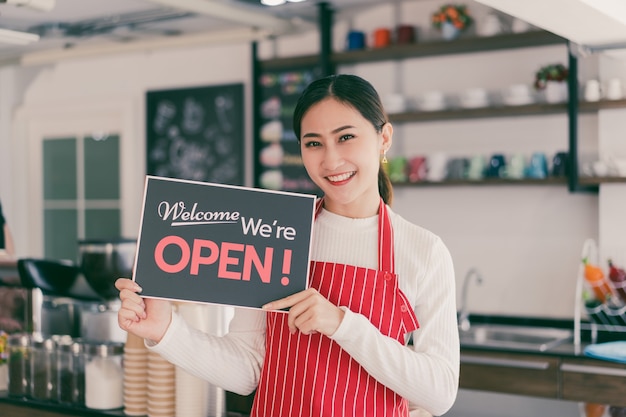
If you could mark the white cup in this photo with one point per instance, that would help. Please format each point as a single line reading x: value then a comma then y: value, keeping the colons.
x: 614, y: 89
x: 432, y: 100
x: 437, y: 166
x: 394, y: 103
x: 592, y: 90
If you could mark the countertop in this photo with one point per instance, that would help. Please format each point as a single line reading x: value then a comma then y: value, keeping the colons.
x: 564, y: 350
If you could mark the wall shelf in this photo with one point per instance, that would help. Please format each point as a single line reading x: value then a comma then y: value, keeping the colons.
x: 560, y: 181
x: 463, y: 45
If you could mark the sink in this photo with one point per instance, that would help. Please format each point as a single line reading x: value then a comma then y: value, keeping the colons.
x: 514, y: 337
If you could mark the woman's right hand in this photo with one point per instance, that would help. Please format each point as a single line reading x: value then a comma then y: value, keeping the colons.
x: 147, y: 318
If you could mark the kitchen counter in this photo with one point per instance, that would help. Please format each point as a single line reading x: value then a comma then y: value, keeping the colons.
x: 506, y: 374
x: 559, y: 372
x: 21, y: 407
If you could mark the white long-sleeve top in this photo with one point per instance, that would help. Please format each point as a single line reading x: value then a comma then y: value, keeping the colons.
x: 425, y: 373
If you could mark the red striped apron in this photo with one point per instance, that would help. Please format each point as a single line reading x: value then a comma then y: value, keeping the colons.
x: 310, y: 375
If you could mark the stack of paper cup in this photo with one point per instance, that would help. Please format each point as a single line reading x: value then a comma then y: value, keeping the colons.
x: 135, y: 377
x: 161, y: 387
x: 194, y: 396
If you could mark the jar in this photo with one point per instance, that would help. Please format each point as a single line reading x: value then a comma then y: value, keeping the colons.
x: 104, y: 375
x: 71, y: 373
x: 43, y: 371
x: 19, y: 351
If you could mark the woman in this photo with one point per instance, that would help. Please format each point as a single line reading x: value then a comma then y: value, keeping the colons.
x: 6, y: 239
x: 343, y: 348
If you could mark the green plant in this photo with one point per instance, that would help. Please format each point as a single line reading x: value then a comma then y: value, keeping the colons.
x: 455, y: 14
x: 552, y: 72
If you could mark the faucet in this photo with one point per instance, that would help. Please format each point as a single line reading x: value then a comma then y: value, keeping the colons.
x: 464, y: 323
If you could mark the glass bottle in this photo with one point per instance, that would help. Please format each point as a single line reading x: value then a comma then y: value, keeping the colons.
x: 104, y: 375
x: 43, y: 373
x: 19, y: 349
x: 71, y: 373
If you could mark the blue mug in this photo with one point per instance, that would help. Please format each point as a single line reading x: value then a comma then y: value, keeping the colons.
x: 560, y: 164
x: 538, y: 166
x: 355, y: 40
x: 497, y: 166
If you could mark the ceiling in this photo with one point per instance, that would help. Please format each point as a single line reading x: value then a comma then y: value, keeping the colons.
x: 94, y: 27
x: 78, y: 26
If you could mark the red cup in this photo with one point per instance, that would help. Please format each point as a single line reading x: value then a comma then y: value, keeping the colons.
x: 382, y: 38
x: 405, y: 34
x: 418, y: 169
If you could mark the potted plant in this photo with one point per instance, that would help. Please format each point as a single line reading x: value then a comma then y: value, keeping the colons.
x: 551, y: 79
x: 452, y: 20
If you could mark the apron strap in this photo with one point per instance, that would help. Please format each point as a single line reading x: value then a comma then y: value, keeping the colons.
x: 385, y: 236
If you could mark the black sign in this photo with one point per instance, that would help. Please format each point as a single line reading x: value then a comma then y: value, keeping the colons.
x: 197, y: 134
x: 222, y: 244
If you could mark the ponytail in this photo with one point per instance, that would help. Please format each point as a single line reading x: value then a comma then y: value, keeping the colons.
x: 384, y: 186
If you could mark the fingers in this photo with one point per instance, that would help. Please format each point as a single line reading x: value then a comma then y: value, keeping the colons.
x: 128, y: 284
x: 309, y: 312
x: 289, y: 301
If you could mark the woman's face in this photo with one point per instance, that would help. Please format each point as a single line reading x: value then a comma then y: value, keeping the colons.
x: 341, y: 153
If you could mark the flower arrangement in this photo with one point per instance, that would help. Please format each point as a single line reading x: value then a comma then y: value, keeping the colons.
x: 552, y: 72
x: 3, y: 347
x: 457, y: 15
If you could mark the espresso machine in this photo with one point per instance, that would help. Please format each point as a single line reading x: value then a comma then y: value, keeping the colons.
x: 78, y: 299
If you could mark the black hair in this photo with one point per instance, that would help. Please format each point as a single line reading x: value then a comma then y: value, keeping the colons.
x: 355, y: 92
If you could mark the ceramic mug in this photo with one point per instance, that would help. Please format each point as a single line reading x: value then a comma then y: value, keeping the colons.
x: 516, y: 168
x: 355, y: 40
x: 614, y: 89
x: 497, y: 166
x: 405, y: 34
x: 538, y: 166
x: 457, y: 168
x: 592, y: 90
x: 397, y: 169
x: 437, y: 164
x: 476, y: 168
x: 417, y: 169
x: 381, y: 38
x: 560, y: 164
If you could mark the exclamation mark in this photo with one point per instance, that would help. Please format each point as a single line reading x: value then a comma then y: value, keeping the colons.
x: 286, y: 267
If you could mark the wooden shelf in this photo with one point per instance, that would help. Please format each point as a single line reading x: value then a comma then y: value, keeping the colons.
x: 594, y: 106
x: 533, y: 109
x: 482, y: 112
x: 487, y: 181
x: 422, y: 49
x: 442, y: 47
x: 600, y: 180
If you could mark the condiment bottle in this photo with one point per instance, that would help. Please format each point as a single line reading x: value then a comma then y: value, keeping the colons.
x: 596, y: 279
x: 43, y: 375
x: 104, y: 375
x: 71, y: 372
x: 19, y: 350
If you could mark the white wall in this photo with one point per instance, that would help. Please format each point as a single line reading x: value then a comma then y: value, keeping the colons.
x: 526, y: 240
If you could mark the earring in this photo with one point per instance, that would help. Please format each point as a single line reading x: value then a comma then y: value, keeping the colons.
x: 384, y: 160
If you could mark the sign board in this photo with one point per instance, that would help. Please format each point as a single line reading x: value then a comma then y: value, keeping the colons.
x: 222, y: 244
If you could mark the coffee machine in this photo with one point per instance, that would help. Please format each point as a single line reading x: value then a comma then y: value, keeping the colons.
x: 78, y: 299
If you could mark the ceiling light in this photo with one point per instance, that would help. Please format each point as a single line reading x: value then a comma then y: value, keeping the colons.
x: 42, y: 5
x: 272, y: 2
x: 17, y: 38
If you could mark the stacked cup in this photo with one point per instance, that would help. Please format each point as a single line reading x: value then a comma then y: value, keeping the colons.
x: 135, y: 377
x: 161, y: 387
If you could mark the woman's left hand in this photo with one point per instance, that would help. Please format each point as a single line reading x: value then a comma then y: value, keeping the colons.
x: 309, y: 312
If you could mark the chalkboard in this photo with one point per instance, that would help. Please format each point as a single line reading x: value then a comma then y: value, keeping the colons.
x: 277, y: 151
x: 197, y: 133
